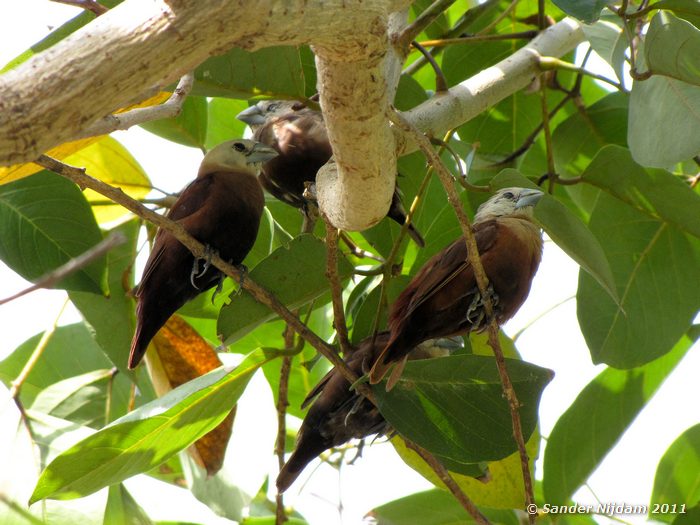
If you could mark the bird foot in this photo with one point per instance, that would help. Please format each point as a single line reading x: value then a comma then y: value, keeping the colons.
x: 475, y: 312
x: 196, y: 272
x: 243, y: 269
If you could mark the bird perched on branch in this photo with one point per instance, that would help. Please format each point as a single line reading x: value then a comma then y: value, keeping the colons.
x: 443, y: 298
x: 340, y: 414
x: 221, y: 208
x: 299, y: 134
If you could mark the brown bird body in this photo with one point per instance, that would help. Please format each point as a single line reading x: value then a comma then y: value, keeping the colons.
x: 443, y: 298
x: 221, y: 208
x: 299, y: 134
x: 340, y: 414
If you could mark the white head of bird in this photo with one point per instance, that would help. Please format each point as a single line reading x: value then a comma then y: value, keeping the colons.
x: 236, y: 155
x: 509, y: 201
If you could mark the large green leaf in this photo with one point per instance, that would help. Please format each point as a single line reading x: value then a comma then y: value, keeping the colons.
x: 677, y: 478
x: 653, y: 192
x: 608, y: 40
x: 434, y: 507
x: 148, y: 436
x: 591, y: 426
x: 654, y: 267
x: 663, y: 122
x: 295, y: 274
x: 222, y: 124
x: 46, y: 222
x: 585, y: 10
x: 579, y: 138
x: 274, y: 71
x: 189, y: 128
x: 672, y: 48
x: 454, y: 406
x: 573, y: 236
x: 680, y: 7
x: 112, y: 319
x: 71, y: 351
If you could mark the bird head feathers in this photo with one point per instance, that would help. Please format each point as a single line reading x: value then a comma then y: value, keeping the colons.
x: 267, y: 110
x: 509, y: 201
x: 236, y: 155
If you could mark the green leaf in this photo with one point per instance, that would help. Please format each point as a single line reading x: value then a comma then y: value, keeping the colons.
x: 587, y: 11
x: 573, y: 236
x: 295, y: 274
x: 677, y: 478
x: 69, y: 398
x: 579, y: 138
x: 59, y: 34
x: 112, y: 319
x: 669, y: 107
x: 409, y: 93
x: 454, y: 406
x: 148, y: 436
x: 655, y: 193
x: 222, y: 124
x: 672, y: 48
x: 189, y: 128
x: 71, y: 351
x: 654, y: 267
x: 122, y: 509
x: 680, y: 7
x: 591, y: 426
x: 434, y: 507
x: 46, y: 222
x: 691, y: 516
x: 608, y: 40
x: 274, y: 71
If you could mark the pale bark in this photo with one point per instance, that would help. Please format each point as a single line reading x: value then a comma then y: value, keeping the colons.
x: 142, y: 45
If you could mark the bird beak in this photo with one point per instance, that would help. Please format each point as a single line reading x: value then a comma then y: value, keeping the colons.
x: 261, y: 153
x: 528, y: 197
x: 252, y: 116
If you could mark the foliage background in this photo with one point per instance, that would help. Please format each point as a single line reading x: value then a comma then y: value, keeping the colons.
x: 541, y: 343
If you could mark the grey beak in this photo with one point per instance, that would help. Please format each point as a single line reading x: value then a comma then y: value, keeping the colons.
x: 528, y: 197
x: 252, y: 116
x: 261, y: 153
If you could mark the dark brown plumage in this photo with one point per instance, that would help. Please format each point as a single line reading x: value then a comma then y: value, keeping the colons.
x: 299, y: 134
x: 221, y: 208
x: 443, y: 298
x: 339, y: 414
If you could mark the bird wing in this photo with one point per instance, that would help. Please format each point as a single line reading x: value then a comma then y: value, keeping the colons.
x: 191, y: 200
x: 445, y: 266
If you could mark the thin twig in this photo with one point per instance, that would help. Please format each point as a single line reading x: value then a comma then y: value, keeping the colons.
x: 440, y: 80
x: 282, y: 404
x: 442, y: 42
x: 121, y: 121
x: 16, y: 385
x: 482, y: 283
x: 341, y: 328
x: 450, y: 483
x: 549, y: 150
x: 550, y: 63
x: 47, y: 281
x: 198, y: 249
x: 88, y: 5
x: 467, y: 19
x: 423, y: 20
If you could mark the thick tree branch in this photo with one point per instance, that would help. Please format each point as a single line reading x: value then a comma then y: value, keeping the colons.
x: 54, y: 96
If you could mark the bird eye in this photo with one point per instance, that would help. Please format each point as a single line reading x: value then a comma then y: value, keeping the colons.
x: 239, y: 146
x: 272, y: 107
x: 508, y: 195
